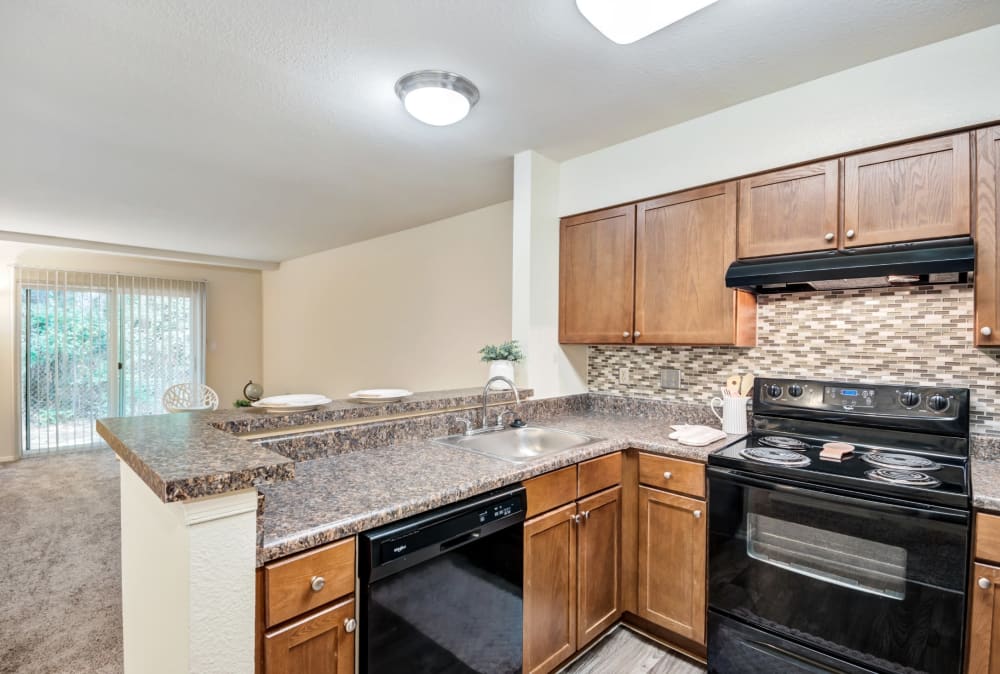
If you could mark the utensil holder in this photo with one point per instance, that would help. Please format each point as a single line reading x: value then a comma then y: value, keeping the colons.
x: 734, y: 413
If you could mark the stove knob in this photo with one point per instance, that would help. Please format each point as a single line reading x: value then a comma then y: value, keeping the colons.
x: 774, y: 391
x: 937, y: 402
x: 909, y: 398
x: 795, y: 390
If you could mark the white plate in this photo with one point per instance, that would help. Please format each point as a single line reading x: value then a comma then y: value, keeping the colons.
x: 381, y: 395
x: 292, y: 401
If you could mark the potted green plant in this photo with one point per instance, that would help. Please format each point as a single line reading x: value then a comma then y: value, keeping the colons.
x: 501, y: 358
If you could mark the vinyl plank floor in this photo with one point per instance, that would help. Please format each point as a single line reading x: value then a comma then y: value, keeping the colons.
x: 625, y: 651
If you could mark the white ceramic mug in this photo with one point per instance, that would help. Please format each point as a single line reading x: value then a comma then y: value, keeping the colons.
x: 734, y: 414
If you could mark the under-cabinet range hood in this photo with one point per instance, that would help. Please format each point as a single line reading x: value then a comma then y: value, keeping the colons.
x: 921, y: 262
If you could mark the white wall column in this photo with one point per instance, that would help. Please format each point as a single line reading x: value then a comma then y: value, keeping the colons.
x: 187, y: 581
x: 549, y: 368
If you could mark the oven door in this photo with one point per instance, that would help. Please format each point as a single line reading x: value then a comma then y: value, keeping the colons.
x: 872, y: 582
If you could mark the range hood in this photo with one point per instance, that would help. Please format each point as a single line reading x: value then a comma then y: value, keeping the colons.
x: 921, y: 262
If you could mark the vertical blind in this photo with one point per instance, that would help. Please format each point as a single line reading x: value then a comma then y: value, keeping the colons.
x: 94, y: 345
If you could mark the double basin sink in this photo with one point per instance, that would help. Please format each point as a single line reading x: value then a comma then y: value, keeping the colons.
x: 519, y: 445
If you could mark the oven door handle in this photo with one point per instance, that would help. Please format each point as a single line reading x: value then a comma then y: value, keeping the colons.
x: 836, y: 496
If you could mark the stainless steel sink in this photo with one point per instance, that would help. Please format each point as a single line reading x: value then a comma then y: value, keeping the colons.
x: 519, y: 445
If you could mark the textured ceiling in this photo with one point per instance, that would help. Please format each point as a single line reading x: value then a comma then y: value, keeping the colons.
x: 268, y: 130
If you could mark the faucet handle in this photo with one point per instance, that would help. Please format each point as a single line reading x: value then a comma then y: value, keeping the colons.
x: 500, y: 417
x: 468, y: 425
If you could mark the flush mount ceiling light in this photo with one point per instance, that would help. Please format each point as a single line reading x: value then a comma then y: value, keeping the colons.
x: 437, y: 97
x: 625, y: 21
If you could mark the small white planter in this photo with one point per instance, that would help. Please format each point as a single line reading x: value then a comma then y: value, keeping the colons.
x: 501, y: 368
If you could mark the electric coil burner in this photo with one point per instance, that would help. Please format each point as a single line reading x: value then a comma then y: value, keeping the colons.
x: 811, y: 555
x: 775, y: 457
x: 907, y: 477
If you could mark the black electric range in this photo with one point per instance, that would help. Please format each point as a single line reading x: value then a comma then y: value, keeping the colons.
x: 852, y: 565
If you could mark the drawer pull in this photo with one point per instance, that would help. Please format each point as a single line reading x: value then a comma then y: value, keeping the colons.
x: 350, y: 624
x: 317, y: 583
x: 667, y: 475
x: 985, y: 583
x: 576, y: 518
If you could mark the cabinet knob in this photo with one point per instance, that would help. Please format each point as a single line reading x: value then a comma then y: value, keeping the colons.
x: 317, y: 583
x: 635, y: 334
x: 850, y: 233
x: 576, y: 518
x: 350, y: 624
x: 985, y: 331
x: 626, y: 334
x: 586, y: 514
x: 829, y: 236
x: 985, y: 583
x: 697, y: 514
x: 667, y: 475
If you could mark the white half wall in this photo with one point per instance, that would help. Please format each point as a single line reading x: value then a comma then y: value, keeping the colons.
x: 550, y: 368
x: 942, y: 86
x: 410, y: 309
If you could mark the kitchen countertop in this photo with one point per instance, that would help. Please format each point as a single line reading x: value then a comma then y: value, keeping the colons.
x: 194, y: 454
x: 347, y: 493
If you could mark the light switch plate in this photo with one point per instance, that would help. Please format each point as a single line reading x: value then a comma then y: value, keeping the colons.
x: 670, y: 378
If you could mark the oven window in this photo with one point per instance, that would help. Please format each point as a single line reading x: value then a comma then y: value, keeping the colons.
x: 858, y: 563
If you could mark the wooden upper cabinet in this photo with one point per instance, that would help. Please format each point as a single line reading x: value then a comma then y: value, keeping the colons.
x: 672, y: 543
x: 684, y: 244
x: 987, y: 323
x: 908, y: 192
x: 599, y: 567
x: 789, y: 211
x: 549, y: 589
x: 597, y: 277
x: 984, y: 630
x: 320, y: 643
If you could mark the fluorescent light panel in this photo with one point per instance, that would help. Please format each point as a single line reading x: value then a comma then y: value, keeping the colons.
x: 626, y: 21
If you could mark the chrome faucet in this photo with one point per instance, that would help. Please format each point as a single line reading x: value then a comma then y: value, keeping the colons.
x: 485, y: 428
x: 486, y: 391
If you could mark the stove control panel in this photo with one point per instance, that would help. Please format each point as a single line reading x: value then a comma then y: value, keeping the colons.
x: 849, y: 398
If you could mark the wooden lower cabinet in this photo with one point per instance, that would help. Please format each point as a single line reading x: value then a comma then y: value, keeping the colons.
x: 984, y: 631
x: 671, y: 561
x: 572, y: 578
x: 549, y: 589
x: 319, y: 643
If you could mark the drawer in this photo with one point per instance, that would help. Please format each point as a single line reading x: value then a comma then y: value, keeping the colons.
x: 988, y: 537
x: 289, y: 582
x: 551, y: 490
x: 598, y: 474
x: 662, y: 472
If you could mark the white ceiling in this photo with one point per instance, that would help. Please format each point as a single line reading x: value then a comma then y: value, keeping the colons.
x: 265, y: 129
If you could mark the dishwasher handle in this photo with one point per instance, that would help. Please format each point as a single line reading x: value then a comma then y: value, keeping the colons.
x: 461, y: 540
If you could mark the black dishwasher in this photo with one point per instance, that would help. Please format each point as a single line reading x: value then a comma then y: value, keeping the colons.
x: 442, y: 591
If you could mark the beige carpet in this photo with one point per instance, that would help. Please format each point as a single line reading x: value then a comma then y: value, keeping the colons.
x: 60, y: 572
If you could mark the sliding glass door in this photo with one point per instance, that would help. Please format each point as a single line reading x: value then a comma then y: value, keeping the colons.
x: 98, y: 345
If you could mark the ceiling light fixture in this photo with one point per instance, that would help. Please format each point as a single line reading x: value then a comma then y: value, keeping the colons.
x: 437, y: 97
x: 625, y: 21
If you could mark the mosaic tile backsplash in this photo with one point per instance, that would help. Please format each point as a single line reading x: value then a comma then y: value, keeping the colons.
x: 915, y: 335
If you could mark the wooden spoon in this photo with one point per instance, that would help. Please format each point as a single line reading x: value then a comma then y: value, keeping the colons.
x: 747, y: 385
x: 733, y: 384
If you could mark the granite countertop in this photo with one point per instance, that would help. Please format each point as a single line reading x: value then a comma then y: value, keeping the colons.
x: 985, y: 484
x: 347, y: 493
x: 194, y: 454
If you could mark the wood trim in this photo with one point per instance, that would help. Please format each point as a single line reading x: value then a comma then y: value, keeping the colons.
x: 987, y: 236
x: 550, y: 490
x: 630, y: 529
x: 984, y: 625
x: 597, y: 474
x: 960, y: 219
x: 288, y: 581
x: 260, y: 600
x: 988, y: 537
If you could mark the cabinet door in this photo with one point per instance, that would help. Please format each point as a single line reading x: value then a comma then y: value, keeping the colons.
x: 672, y: 562
x: 599, y: 564
x: 988, y: 237
x: 984, y: 632
x: 597, y: 277
x: 789, y: 211
x: 907, y: 192
x: 320, y: 643
x: 549, y: 589
x: 684, y: 244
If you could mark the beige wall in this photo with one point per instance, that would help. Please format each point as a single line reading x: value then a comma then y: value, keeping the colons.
x: 406, y: 310
x: 233, y: 339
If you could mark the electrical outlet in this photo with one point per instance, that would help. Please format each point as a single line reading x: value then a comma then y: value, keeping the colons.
x: 624, y: 375
x: 670, y: 378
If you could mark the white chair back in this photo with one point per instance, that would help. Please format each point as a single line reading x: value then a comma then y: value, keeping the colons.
x: 190, y: 397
